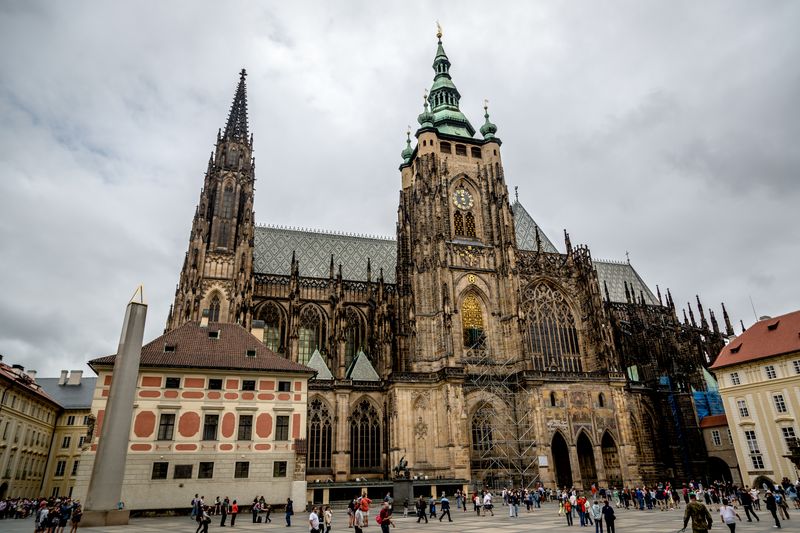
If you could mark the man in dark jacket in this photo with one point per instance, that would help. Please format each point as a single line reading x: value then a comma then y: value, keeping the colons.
x: 772, y: 507
x: 445, y: 508
x: 608, y: 517
x: 701, y: 518
x: 747, y: 502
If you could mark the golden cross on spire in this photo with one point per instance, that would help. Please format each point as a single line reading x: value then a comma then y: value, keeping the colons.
x: 438, y: 30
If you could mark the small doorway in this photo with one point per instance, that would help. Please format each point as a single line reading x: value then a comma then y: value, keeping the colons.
x: 611, y: 461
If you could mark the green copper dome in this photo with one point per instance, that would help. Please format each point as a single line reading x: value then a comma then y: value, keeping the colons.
x: 407, y: 151
x: 426, y: 118
x: 488, y: 129
x: 444, y: 98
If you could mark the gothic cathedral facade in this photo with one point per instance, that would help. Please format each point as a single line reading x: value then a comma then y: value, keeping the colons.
x: 470, y: 345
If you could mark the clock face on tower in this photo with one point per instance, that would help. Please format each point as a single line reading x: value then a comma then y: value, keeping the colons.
x: 462, y: 199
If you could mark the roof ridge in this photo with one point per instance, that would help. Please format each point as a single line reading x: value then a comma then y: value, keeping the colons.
x: 319, y: 231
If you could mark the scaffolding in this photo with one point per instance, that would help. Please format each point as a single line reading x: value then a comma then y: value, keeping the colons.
x: 503, y: 437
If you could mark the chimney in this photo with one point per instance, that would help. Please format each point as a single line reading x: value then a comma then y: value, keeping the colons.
x: 75, y: 377
x: 258, y: 330
x: 63, y: 379
x: 32, y: 374
x: 204, y: 319
x: 18, y: 369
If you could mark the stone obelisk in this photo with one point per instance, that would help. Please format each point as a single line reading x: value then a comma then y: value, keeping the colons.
x: 108, y: 472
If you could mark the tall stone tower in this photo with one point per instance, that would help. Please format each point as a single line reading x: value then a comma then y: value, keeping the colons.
x: 217, y: 268
x: 457, y: 295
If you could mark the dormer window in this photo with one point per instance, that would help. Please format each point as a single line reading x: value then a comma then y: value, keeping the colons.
x: 213, y: 334
x: 251, y: 352
x: 169, y: 348
x: 773, y: 326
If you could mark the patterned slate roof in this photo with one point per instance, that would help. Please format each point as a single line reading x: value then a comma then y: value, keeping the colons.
x: 194, y: 347
x: 615, y: 275
x: 525, y: 228
x: 361, y: 369
x: 274, y: 246
x: 318, y: 363
x: 70, y: 396
x: 313, y: 249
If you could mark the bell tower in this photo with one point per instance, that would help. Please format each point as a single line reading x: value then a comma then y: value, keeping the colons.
x: 457, y: 295
x: 216, y: 273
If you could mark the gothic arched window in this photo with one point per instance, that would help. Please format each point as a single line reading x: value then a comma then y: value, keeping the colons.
x: 482, y: 439
x: 458, y: 223
x: 223, y: 234
x: 274, y: 326
x: 310, y: 333
x: 320, y: 431
x: 227, y: 202
x: 469, y: 225
x: 553, y: 335
x: 365, y: 437
x: 213, y: 309
x: 472, y: 323
x: 355, y: 335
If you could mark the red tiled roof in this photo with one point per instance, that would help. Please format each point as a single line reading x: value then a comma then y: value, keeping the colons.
x: 195, y: 348
x: 714, y: 421
x: 765, y: 338
x: 25, y: 381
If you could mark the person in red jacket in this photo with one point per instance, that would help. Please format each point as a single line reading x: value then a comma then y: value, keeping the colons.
x: 234, y: 512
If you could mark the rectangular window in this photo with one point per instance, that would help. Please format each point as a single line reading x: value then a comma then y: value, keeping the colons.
x: 248, y: 384
x: 61, y: 466
x: 166, y: 426
x: 796, y: 364
x: 445, y: 148
x: 735, y: 378
x: 284, y: 386
x: 476, y: 152
x: 206, y: 471
x: 730, y: 436
x: 461, y: 149
x: 55, y: 492
x: 279, y: 469
x: 715, y: 438
x: 215, y: 384
x: 210, y: 427
x: 75, y: 468
x: 71, y: 420
x: 66, y: 442
x: 86, y: 420
x: 241, y: 470
x: 780, y: 404
x: 755, y: 452
x: 173, y: 383
x: 245, y: 427
x: 81, y: 441
x: 182, y: 472
x: 770, y: 371
x: 282, y: 428
x: 743, y: 411
x: 788, y: 437
x: 160, y: 470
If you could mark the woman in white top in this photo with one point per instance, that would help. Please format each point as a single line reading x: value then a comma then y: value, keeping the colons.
x: 729, y: 515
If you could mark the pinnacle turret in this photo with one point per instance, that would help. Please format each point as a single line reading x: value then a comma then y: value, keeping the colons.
x: 236, y: 128
x: 444, y: 97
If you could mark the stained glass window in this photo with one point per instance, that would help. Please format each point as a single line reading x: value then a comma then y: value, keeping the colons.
x: 311, y: 333
x: 365, y: 437
x: 319, y: 435
x: 458, y: 223
x: 553, y: 335
x: 472, y: 323
x: 274, y: 326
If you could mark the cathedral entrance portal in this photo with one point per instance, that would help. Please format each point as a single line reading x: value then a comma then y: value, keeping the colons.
x: 611, y: 461
x: 560, y: 452
x: 586, y: 461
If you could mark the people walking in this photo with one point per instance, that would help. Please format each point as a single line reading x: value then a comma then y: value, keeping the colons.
x: 608, y: 517
x: 421, y: 510
x: 313, y: 521
x: 772, y: 507
x: 445, y: 508
x: 699, y: 515
x: 568, y: 511
x: 747, y: 502
x: 327, y: 519
x: 289, y: 512
x: 728, y: 515
x: 385, y: 518
x: 224, y: 511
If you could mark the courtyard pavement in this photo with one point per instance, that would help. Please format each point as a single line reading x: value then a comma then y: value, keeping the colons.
x: 544, y: 519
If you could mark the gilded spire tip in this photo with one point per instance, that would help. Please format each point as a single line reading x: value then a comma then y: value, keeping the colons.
x: 438, y: 30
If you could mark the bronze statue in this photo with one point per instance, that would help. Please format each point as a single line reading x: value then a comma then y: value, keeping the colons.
x: 401, y: 470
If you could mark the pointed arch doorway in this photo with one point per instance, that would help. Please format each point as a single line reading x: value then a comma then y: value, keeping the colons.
x: 611, y: 461
x: 586, y: 461
x: 560, y: 451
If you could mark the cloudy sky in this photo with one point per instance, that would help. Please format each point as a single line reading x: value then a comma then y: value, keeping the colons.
x: 666, y: 129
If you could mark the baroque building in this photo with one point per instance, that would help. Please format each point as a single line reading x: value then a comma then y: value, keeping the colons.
x: 470, y: 345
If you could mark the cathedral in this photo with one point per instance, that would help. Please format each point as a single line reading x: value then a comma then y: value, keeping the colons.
x: 470, y: 347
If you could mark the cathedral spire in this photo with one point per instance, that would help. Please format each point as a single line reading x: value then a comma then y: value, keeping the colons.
x: 444, y: 97
x: 728, y: 326
x: 236, y: 128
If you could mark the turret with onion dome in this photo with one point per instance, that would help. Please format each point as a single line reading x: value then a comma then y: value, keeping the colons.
x: 488, y: 129
x: 407, y: 151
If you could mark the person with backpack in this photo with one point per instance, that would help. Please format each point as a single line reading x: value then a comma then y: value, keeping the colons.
x: 698, y: 513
